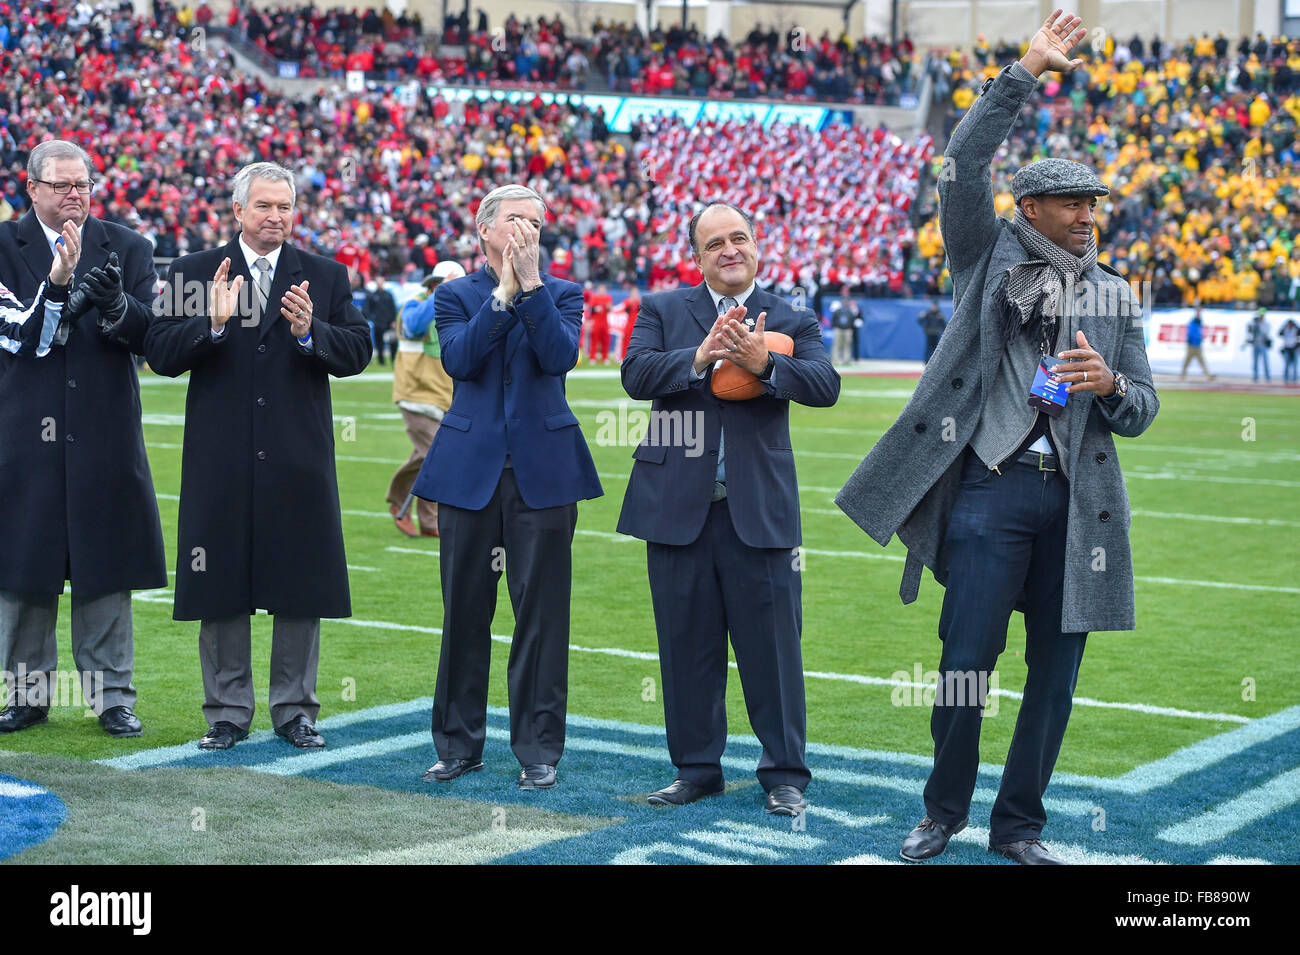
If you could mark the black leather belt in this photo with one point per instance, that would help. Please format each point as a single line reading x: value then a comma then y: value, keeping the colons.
x: 1038, y: 460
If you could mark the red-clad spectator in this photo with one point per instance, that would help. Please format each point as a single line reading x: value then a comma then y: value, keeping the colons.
x: 632, y: 306
x: 598, y: 304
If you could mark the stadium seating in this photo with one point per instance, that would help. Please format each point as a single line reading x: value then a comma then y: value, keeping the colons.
x: 1198, y: 142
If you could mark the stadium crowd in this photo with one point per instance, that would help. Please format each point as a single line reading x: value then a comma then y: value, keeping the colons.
x: 331, y: 41
x: 1198, y: 141
x: 387, y: 188
x: 831, y: 207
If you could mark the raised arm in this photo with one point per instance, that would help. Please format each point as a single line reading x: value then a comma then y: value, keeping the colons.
x: 966, y: 217
x: 466, y: 340
x: 553, y: 327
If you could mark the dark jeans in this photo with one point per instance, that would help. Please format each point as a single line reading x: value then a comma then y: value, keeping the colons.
x: 1007, y: 533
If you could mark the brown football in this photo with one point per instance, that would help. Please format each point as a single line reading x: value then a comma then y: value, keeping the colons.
x: 733, y: 383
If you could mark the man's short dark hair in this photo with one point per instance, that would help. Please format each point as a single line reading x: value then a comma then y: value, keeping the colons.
x: 749, y: 223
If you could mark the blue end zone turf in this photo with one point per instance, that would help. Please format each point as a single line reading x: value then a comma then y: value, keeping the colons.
x: 1233, y: 797
x: 28, y: 815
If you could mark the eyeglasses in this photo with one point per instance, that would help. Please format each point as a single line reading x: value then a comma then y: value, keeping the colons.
x: 61, y: 188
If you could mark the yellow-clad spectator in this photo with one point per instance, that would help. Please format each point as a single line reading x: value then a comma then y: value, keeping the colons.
x: 1259, y: 110
x: 1246, y: 289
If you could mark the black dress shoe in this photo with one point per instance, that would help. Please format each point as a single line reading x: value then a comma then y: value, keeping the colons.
x: 929, y: 839
x: 785, y: 800
x: 680, y: 793
x: 16, y: 718
x: 222, y: 735
x: 301, y: 733
x: 537, y: 776
x: 1027, y: 852
x: 445, y: 770
x: 120, y: 721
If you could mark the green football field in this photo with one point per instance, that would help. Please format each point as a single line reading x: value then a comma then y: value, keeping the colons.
x: 1213, y: 486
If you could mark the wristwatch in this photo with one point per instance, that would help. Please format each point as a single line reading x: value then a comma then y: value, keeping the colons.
x: 766, y: 373
x: 522, y: 295
x: 1121, y: 385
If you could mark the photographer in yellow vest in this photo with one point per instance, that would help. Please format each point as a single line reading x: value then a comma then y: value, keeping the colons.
x: 422, y: 390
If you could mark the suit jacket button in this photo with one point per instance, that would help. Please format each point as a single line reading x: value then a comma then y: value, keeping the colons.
x: 261, y: 402
x: 261, y: 455
x: 72, y: 382
x: 507, y: 379
x: 71, y: 439
x: 920, y: 427
x: 714, y: 453
x: 957, y: 382
x: 1101, y: 457
x: 1105, y: 516
x: 261, y: 348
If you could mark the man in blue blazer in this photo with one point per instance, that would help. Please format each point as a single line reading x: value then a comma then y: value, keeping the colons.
x: 720, y: 516
x: 507, y: 468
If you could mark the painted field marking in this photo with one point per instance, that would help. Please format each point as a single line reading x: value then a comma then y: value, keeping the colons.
x: 473, y: 848
x: 836, y: 512
x: 19, y: 790
x: 148, y: 758
x: 165, y: 597
x: 868, y: 859
x: 1073, y: 854
x: 846, y: 819
x: 872, y: 555
x: 1199, y: 755
x: 1222, y: 821
x: 1240, y: 811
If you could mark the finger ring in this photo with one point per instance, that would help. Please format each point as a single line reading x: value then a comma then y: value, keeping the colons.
x: 1085, y: 376
x: 298, y: 312
x: 731, y: 348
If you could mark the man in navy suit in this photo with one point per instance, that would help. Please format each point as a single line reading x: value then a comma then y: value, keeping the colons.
x: 507, y: 468
x: 722, y: 528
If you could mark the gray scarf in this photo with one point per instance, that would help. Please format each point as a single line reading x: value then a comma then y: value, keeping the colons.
x: 1031, y: 295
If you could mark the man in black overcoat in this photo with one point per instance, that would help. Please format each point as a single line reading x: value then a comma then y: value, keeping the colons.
x: 79, y: 499
x: 260, y: 325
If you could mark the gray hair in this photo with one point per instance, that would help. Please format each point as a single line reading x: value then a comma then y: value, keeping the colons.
x: 491, y: 205
x: 56, y: 149
x: 261, y: 170
x: 695, y: 221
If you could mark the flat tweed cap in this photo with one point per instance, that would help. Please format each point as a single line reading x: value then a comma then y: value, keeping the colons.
x: 1056, y: 177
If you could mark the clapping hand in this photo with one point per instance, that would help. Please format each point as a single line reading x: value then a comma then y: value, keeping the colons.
x: 223, y: 296
x: 68, y: 249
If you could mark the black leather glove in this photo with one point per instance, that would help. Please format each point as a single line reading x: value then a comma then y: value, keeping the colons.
x: 104, y: 286
x: 78, y: 304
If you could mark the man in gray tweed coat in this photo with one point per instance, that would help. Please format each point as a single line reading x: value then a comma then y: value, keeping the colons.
x: 1002, y: 478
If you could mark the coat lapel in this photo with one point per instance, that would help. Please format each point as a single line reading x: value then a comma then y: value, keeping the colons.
x: 288, y: 271
x: 94, y: 247
x: 702, y: 306
x: 238, y: 266
x: 35, y: 248
x: 1007, y: 252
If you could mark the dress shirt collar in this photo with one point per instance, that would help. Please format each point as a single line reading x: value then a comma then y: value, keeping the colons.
x: 51, y: 235
x: 718, y: 296
x: 250, y: 257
